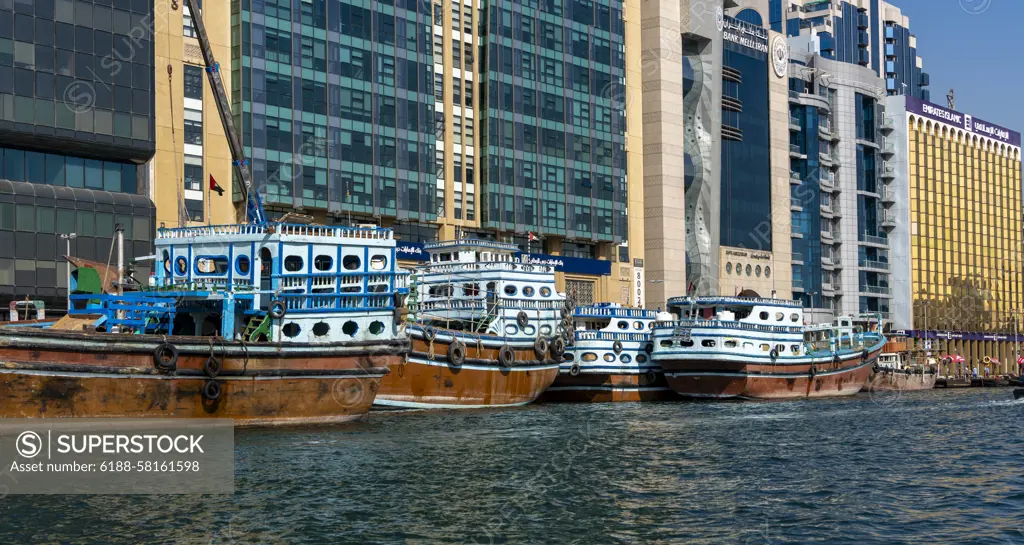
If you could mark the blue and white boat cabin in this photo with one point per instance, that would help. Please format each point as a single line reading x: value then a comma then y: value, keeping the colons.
x: 481, y: 286
x: 278, y: 282
x: 610, y: 338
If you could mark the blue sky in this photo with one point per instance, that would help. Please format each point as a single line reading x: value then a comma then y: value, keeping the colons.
x: 977, y: 48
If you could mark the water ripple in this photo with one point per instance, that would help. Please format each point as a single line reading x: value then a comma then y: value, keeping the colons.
x: 925, y: 467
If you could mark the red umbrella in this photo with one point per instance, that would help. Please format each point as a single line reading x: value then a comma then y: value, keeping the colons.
x: 1020, y: 360
x: 953, y: 358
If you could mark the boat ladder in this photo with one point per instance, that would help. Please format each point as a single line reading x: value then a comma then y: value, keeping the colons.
x: 257, y: 325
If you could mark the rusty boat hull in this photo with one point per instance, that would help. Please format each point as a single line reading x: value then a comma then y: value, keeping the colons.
x: 427, y: 379
x: 70, y: 374
x: 609, y: 387
x: 890, y: 380
x: 717, y: 379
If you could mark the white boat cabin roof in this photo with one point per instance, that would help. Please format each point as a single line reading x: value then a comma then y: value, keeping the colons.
x: 470, y: 250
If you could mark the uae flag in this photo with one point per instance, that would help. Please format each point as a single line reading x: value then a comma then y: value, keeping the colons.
x: 215, y: 187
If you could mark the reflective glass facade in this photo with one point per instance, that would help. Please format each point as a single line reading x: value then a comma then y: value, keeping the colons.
x: 554, y: 118
x: 77, y: 76
x: 806, y: 194
x: 335, y: 103
x: 746, y: 175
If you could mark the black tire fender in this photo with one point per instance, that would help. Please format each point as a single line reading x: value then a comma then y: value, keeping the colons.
x: 456, y: 354
x: 617, y: 347
x: 211, y: 390
x: 506, y: 356
x: 557, y: 348
x: 522, y: 319
x: 212, y: 366
x: 574, y: 370
x: 541, y: 347
x: 277, y: 309
x: 165, y: 357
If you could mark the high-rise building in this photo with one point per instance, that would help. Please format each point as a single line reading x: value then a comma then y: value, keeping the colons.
x: 190, y: 143
x: 533, y: 139
x: 870, y: 33
x: 958, y: 260
x: 841, y: 188
x: 76, y: 127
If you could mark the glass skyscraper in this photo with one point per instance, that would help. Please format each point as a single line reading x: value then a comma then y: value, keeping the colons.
x: 335, y: 103
x: 554, y: 119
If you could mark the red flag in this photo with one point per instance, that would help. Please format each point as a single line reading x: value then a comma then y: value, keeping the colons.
x: 215, y: 187
x: 533, y: 237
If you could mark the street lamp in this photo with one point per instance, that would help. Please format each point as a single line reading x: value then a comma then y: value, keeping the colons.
x: 66, y: 237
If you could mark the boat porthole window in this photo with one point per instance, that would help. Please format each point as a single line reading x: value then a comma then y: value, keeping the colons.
x: 378, y: 262
x: 377, y: 327
x: 638, y: 325
x: 640, y: 358
x: 795, y: 348
x: 794, y: 317
x: 730, y: 344
x: 728, y: 268
x: 625, y: 358
x: 321, y: 328
x: 350, y: 328
x: 666, y: 343
x: 766, y: 348
x: 780, y: 348
x: 510, y: 290
x: 757, y: 271
x: 780, y: 316
x: 511, y: 330
x: 528, y: 291
x: 609, y: 357
x: 323, y: 262
x: 293, y: 263
x: 490, y: 286
x: 686, y: 344
x: 290, y: 330
x: 767, y: 272
x: 545, y: 329
x: 545, y: 291
x: 589, y: 356
x: 763, y: 315
x: 351, y: 262
x: 623, y: 324
x: 748, y: 270
x: 748, y: 346
x: 167, y: 262
x: 708, y: 343
x: 242, y: 264
x: 181, y: 265
x: 649, y: 348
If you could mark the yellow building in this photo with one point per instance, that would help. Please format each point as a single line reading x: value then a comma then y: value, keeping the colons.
x: 966, y: 280
x: 190, y: 141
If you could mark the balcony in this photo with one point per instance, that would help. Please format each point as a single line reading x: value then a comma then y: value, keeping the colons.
x: 887, y: 172
x: 888, y: 148
x: 876, y: 290
x: 826, y: 210
x: 795, y: 204
x: 794, y: 152
x: 876, y: 265
x: 888, y: 220
x: 872, y: 239
x: 798, y: 258
x: 830, y: 288
x: 888, y: 196
x: 888, y: 123
x: 794, y: 124
x: 794, y: 178
x: 828, y: 182
x: 825, y: 159
x: 827, y: 236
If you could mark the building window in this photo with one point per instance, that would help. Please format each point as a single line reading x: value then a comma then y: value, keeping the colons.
x: 193, y: 132
x: 193, y: 82
x: 187, y: 28
x: 194, y: 175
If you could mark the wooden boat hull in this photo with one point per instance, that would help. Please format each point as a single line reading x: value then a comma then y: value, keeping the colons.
x: 1018, y: 393
x: 753, y: 380
x: 608, y: 387
x: 887, y: 380
x: 62, y: 374
x: 428, y: 380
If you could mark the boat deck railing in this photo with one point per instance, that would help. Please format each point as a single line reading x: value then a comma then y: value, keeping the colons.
x: 443, y: 268
x: 719, y: 324
x: 286, y: 229
x: 613, y: 312
x: 609, y: 336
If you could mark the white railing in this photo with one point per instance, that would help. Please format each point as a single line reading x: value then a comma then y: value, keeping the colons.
x: 369, y: 233
x: 483, y: 266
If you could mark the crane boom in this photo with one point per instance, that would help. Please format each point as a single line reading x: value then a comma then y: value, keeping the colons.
x: 253, y: 202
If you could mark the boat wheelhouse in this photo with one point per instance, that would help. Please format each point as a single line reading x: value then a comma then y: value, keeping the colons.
x: 722, y: 347
x: 609, y: 357
x: 267, y: 324
x: 897, y: 369
x: 486, y: 329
